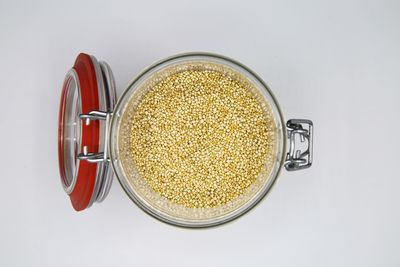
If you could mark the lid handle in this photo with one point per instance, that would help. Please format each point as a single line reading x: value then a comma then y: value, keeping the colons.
x: 299, y: 157
x: 99, y: 156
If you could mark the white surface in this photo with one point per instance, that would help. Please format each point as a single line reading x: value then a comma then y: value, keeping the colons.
x: 335, y: 62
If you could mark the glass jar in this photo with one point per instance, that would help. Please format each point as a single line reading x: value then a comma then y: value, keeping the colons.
x: 92, y: 125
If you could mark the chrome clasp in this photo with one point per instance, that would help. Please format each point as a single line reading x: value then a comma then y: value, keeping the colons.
x: 300, y: 135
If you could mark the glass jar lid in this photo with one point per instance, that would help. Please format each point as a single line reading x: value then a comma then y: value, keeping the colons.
x: 88, y: 88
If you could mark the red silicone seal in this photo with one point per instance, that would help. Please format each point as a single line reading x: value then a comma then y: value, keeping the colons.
x: 89, y: 98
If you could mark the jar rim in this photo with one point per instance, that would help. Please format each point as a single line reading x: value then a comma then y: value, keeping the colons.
x: 116, y: 121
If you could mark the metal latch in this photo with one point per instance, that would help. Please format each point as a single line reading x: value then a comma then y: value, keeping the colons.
x: 302, y: 130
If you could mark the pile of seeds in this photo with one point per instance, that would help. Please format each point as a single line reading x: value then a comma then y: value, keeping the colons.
x: 200, y: 138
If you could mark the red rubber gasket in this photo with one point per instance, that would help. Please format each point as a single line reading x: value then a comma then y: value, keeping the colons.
x: 86, y: 177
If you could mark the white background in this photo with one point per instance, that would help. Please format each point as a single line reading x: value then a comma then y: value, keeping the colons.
x: 334, y: 62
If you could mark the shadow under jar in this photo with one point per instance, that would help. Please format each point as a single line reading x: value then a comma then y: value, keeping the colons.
x: 196, y: 140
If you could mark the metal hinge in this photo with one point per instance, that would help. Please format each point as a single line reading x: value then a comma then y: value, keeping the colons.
x: 98, y: 156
